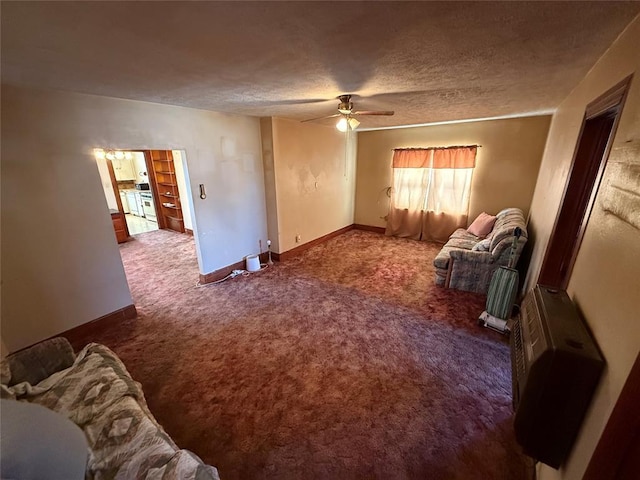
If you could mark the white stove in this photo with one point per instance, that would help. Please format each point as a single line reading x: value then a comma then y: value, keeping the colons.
x: 148, y: 207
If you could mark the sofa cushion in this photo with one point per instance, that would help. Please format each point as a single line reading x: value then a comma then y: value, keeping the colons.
x: 34, y: 364
x: 506, y: 222
x: 5, y: 372
x: 460, y: 243
x: 482, y: 225
x: 463, y: 233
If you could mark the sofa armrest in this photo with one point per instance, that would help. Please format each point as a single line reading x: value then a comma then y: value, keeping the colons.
x: 36, y: 363
x: 472, y: 271
x: 471, y: 256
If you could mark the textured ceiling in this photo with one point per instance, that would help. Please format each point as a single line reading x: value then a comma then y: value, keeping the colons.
x: 428, y: 61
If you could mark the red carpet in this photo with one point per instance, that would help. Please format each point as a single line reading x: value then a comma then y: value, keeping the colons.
x: 344, y: 363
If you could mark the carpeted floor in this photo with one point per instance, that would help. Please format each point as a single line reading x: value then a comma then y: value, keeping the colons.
x: 344, y: 363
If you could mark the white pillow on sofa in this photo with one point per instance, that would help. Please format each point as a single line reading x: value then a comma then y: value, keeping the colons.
x: 482, y: 246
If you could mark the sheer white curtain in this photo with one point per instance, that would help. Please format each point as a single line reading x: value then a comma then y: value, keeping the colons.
x: 431, y: 192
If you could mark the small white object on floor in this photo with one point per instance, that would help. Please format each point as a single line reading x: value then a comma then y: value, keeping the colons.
x: 253, y: 263
x: 495, y: 323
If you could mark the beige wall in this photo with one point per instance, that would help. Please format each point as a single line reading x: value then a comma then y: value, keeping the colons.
x: 604, y: 282
x: 61, y: 265
x: 314, y: 181
x: 506, y: 167
x: 273, y: 228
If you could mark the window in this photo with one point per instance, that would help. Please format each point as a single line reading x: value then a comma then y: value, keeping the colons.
x: 433, y: 183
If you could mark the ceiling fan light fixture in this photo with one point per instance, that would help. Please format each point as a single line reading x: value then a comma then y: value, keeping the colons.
x: 347, y: 123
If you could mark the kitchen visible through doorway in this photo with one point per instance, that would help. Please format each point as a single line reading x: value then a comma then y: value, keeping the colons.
x: 146, y: 190
x: 133, y: 185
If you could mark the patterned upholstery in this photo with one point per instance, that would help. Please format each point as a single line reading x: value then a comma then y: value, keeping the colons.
x: 459, y: 266
x: 97, y: 393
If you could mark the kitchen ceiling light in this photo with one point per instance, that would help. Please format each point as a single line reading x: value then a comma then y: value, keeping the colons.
x: 101, y: 154
x: 353, y: 123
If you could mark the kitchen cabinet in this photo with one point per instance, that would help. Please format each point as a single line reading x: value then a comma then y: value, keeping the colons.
x: 120, y: 226
x: 123, y: 169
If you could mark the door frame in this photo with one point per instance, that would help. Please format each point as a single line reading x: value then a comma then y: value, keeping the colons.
x: 615, y: 456
x: 558, y: 263
x: 116, y: 192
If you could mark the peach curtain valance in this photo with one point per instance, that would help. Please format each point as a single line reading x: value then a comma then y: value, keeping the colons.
x: 447, y: 157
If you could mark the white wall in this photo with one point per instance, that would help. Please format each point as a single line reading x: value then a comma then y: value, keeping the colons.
x: 139, y: 167
x: 604, y: 281
x: 60, y: 262
x: 107, y: 186
x: 314, y: 174
x: 185, y: 195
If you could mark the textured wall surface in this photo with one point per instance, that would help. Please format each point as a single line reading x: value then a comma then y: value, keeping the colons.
x: 506, y: 164
x: 604, y: 282
x: 314, y: 181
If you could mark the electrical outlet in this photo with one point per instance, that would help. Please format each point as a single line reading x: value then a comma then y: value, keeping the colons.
x: 298, y: 238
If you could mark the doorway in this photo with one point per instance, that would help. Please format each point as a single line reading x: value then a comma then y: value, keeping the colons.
x: 146, y: 190
x: 589, y: 161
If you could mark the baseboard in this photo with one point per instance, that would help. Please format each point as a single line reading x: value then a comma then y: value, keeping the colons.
x: 277, y: 257
x: 220, y: 273
x: 369, y: 228
x: 188, y: 231
x: 104, y: 322
x: 224, y: 271
x: 298, y: 250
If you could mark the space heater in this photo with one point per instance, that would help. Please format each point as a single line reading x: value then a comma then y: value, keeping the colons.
x: 556, y: 366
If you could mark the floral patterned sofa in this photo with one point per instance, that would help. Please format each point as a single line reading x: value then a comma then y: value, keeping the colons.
x: 467, y: 262
x: 95, y: 391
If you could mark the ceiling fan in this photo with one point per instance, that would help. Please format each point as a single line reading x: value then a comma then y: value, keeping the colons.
x: 346, y: 114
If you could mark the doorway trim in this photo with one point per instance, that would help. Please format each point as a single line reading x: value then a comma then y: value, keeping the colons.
x: 616, y: 455
x: 587, y: 168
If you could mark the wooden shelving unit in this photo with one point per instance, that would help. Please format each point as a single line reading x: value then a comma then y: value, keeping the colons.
x: 166, y: 186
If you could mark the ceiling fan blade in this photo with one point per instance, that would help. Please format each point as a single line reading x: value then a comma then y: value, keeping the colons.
x: 369, y: 112
x: 320, y: 118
